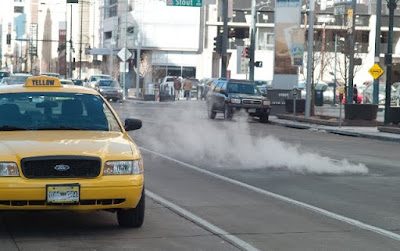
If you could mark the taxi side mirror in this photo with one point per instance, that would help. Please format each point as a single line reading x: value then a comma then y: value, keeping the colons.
x: 132, y: 124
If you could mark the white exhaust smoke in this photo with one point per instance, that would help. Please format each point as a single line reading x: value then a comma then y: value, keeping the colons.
x: 190, y: 135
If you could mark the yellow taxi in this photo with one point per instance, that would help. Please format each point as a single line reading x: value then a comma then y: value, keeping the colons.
x: 62, y: 147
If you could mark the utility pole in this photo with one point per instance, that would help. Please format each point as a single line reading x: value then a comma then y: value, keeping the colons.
x: 375, y: 92
x: 334, y: 75
x: 125, y: 45
x: 352, y: 30
x: 252, y: 39
x: 310, y: 41
x: 392, y: 4
x: 80, y: 44
x: 224, y: 56
x: 70, y: 47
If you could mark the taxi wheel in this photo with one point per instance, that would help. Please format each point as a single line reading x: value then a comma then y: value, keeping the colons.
x: 132, y: 218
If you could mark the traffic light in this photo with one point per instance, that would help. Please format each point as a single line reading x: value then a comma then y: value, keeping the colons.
x: 8, y: 38
x: 218, y: 44
x: 247, y: 52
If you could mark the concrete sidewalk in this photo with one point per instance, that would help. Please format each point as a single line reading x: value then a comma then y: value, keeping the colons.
x: 329, y: 110
x: 354, y: 131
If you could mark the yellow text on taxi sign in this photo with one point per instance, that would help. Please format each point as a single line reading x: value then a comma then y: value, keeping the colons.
x: 43, y: 81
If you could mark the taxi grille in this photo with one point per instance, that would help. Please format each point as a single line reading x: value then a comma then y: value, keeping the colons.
x: 251, y: 102
x: 61, y: 167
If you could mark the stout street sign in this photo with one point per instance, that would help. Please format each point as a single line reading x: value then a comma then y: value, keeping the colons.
x: 188, y: 3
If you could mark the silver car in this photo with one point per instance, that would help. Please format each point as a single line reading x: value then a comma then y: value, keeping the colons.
x: 110, y: 89
x: 19, y: 78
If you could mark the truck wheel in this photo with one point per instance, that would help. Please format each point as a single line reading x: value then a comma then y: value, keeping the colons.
x: 211, y: 113
x: 134, y: 217
x: 228, y: 114
x: 264, y: 118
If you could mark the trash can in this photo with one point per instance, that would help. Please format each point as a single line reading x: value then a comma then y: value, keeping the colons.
x: 319, y: 98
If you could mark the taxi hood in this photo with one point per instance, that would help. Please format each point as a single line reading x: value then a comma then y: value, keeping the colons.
x: 16, y: 145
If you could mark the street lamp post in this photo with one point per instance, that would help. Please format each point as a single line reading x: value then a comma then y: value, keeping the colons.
x: 80, y: 44
x: 392, y: 4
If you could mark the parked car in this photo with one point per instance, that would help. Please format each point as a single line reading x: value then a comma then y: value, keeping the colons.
x: 51, y: 74
x: 19, y: 78
x: 4, y: 74
x: 167, y: 86
x: 263, y: 85
x: 94, y: 78
x: 207, y: 85
x: 110, y: 89
x: 78, y: 82
x: 5, y: 81
x: 66, y: 82
x: 325, y: 88
x: 195, y: 87
x: 368, y: 94
x: 231, y: 95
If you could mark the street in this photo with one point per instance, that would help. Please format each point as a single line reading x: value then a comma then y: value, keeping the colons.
x: 235, y: 185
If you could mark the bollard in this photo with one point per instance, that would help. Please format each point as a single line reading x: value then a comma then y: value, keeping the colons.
x: 294, y: 102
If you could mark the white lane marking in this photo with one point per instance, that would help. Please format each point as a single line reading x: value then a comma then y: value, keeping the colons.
x: 318, y: 210
x: 239, y: 243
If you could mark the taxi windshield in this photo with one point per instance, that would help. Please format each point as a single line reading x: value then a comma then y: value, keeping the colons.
x: 55, y: 111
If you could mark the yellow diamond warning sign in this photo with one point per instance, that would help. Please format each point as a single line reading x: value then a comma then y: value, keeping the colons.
x: 376, y: 71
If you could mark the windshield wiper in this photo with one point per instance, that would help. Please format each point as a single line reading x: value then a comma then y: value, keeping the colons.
x: 59, y: 128
x: 12, y: 128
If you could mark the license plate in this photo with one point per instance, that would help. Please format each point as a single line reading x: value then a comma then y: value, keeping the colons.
x: 66, y: 193
x: 251, y: 110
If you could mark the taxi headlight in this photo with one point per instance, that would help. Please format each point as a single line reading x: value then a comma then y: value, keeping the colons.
x: 266, y: 102
x: 235, y: 100
x: 123, y: 167
x: 8, y: 169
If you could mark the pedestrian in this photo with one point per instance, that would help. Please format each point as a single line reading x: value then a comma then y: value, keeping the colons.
x: 177, y: 88
x: 355, y: 94
x: 187, y: 87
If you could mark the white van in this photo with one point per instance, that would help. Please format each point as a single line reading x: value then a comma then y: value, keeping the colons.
x: 94, y: 78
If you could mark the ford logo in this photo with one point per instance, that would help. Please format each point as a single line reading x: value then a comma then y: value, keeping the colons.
x: 61, y: 168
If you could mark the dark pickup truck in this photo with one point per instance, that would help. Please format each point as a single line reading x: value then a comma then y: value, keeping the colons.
x: 230, y: 95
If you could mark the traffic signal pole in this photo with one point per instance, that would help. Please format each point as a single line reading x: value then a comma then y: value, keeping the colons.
x: 252, y: 39
x: 392, y: 4
x: 352, y: 31
x: 224, y: 56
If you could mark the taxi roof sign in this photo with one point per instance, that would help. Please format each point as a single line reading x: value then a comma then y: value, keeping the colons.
x: 376, y: 71
x: 43, y: 81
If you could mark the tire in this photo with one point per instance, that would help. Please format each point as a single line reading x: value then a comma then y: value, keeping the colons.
x: 211, y: 113
x: 264, y: 118
x: 134, y: 217
x: 228, y: 114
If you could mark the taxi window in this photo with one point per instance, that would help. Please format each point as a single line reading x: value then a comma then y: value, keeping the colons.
x: 55, y: 111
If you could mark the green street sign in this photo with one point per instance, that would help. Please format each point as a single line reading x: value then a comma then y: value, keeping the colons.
x: 187, y: 3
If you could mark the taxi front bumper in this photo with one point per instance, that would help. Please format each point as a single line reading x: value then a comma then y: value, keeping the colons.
x: 107, y: 192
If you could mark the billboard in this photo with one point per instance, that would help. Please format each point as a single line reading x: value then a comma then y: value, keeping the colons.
x: 62, y: 53
x: 289, y: 43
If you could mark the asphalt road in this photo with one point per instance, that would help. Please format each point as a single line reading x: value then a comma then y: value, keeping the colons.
x: 226, y: 185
